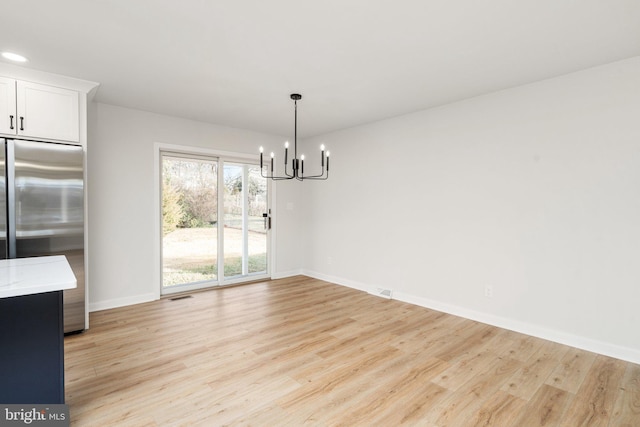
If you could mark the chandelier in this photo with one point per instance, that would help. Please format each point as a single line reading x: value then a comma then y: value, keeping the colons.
x: 297, y: 164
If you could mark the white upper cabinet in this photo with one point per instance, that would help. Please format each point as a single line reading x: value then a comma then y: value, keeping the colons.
x: 8, y: 116
x: 47, y: 112
x: 39, y: 111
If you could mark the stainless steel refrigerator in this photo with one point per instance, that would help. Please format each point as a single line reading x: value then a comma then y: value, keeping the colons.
x: 42, y: 210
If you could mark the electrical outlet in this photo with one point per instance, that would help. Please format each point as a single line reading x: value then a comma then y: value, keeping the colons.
x: 329, y: 260
x: 488, y: 291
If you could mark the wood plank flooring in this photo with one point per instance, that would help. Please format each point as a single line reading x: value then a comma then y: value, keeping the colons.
x: 300, y: 351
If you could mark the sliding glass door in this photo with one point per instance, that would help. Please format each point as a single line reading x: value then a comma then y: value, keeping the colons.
x: 215, y: 222
x: 245, y: 227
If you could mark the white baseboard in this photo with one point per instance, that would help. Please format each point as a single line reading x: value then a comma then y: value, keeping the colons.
x: 121, y: 302
x: 584, y: 343
x: 285, y: 274
x: 607, y: 349
x: 337, y: 280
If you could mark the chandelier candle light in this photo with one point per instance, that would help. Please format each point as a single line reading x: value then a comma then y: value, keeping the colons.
x: 297, y: 165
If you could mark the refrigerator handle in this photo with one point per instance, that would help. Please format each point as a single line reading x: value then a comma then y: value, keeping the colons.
x: 11, y: 201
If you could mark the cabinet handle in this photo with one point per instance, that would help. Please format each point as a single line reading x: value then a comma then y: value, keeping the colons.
x: 10, y: 122
x: 21, y: 123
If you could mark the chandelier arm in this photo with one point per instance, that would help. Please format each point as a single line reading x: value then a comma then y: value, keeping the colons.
x: 274, y: 177
x: 287, y: 173
x: 317, y: 176
x: 325, y: 168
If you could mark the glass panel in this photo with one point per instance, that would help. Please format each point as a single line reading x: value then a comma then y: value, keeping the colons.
x: 189, y: 220
x: 257, y: 206
x: 233, y: 220
x: 245, y: 232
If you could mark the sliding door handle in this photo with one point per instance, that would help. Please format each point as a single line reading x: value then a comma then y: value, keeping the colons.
x: 267, y: 221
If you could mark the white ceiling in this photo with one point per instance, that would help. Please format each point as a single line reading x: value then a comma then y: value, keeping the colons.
x: 235, y: 62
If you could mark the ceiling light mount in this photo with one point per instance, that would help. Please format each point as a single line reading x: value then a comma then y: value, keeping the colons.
x: 297, y: 164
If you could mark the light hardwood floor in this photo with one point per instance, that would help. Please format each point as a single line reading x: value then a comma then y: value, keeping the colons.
x: 300, y: 351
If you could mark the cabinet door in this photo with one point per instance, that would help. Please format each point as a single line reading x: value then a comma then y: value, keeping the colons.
x: 47, y: 112
x: 32, y: 356
x: 8, y: 117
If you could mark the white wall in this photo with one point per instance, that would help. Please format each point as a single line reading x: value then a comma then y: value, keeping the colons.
x: 122, y: 235
x: 534, y: 191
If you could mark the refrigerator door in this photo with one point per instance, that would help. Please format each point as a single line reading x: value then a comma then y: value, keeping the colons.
x: 3, y: 201
x: 48, y: 201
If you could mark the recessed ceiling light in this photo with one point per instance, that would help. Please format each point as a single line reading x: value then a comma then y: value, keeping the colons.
x: 14, y: 57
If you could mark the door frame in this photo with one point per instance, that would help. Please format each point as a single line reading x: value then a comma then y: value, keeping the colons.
x: 223, y: 156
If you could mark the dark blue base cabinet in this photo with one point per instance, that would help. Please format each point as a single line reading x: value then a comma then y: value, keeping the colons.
x: 32, y: 349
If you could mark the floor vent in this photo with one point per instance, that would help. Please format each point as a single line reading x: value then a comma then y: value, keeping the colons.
x: 179, y: 298
x: 381, y: 292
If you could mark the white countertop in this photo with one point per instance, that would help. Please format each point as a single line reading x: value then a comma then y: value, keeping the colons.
x: 27, y: 276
